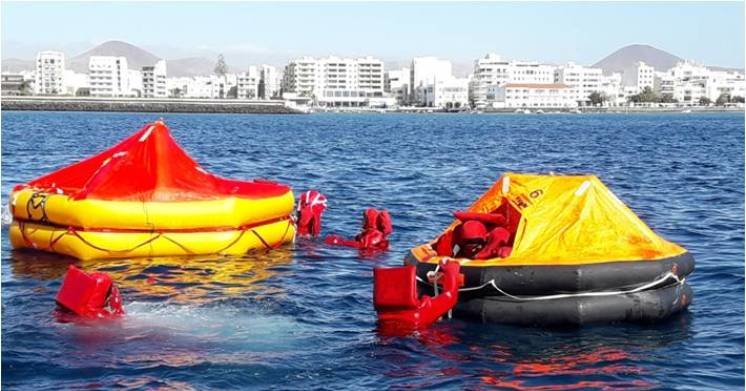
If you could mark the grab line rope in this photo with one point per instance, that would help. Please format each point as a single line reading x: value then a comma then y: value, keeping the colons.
x: 662, y: 279
x: 72, y: 230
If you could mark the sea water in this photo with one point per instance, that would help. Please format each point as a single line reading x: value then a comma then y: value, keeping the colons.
x: 303, y: 318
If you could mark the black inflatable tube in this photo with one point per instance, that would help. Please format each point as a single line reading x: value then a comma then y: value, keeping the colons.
x: 546, y: 280
x: 643, y: 307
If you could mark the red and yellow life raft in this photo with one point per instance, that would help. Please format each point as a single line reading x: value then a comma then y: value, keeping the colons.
x: 146, y: 197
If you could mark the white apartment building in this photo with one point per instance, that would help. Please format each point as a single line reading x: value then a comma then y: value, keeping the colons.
x: 154, y: 80
x: 425, y: 71
x: 248, y: 84
x: 492, y: 70
x: 611, y: 87
x: 726, y: 82
x: 638, y: 76
x: 450, y: 93
x: 530, y: 95
x: 270, y: 82
x: 202, y: 87
x: 334, y: 81
x: 108, y: 75
x: 135, y: 83
x: 581, y: 80
x: 74, y: 82
x: 50, y: 73
x: 688, y: 82
x: 396, y: 83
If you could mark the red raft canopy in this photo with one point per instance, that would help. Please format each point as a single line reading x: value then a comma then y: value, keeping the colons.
x: 148, y: 166
x: 147, y: 184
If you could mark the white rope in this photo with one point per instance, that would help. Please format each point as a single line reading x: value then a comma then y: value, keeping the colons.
x: 664, y: 278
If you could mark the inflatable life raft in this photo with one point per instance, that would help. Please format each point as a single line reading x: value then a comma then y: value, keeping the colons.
x: 146, y: 197
x: 575, y: 254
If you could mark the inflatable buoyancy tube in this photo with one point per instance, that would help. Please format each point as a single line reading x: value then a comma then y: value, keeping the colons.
x: 568, y: 235
x: 640, y: 307
x: 146, y: 197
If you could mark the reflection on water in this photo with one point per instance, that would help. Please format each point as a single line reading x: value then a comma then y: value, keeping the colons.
x: 506, y: 357
x: 178, y: 279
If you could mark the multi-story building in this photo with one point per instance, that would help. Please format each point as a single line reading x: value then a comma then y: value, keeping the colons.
x: 425, y: 71
x: 450, y: 93
x: 610, y: 87
x: 50, y: 73
x: 12, y: 84
x: 270, y: 82
x: 396, y: 83
x: 492, y: 70
x: 154, y: 80
x: 335, y: 81
x: 75, y: 82
x: 108, y: 76
x: 688, y: 82
x: 530, y: 95
x: 581, y: 80
x: 638, y: 76
x: 248, y: 84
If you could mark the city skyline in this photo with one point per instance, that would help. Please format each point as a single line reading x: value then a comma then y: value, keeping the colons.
x: 273, y: 33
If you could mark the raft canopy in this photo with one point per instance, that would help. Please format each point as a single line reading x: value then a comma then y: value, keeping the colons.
x: 148, y: 166
x: 562, y: 220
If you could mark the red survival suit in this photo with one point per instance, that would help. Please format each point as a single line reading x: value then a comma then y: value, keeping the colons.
x: 377, y: 227
x: 311, y: 205
x: 479, y: 236
x: 91, y: 295
x: 395, y: 297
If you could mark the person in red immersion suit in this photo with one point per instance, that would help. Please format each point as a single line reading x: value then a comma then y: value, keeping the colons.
x: 470, y: 237
x: 377, y: 227
x: 311, y: 205
x: 479, y: 236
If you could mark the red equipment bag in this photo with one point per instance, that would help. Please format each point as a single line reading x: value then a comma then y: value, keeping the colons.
x: 89, y: 295
x: 395, y: 288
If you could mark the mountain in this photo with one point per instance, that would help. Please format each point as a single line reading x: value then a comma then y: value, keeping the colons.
x: 628, y: 55
x: 136, y: 57
x: 191, y: 66
x: 17, y: 65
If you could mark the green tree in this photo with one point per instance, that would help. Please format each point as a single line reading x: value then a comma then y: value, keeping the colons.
x: 648, y: 95
x: 704, y: 101
x: 668, y: 98
x: 232, y: 93
x: 220, y: 67
x: 737, y: 99
x: 723, y: 99
x: 26, y: 87
x: 597, y: 98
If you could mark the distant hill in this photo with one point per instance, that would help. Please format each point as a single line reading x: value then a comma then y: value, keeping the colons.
x: 191, y: 66
x: 628, y: 55
x: 136, y: 57
x: 17, y: 65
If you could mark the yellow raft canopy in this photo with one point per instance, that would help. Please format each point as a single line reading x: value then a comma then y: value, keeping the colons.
x: 564, y: 220
x: 147, y: 197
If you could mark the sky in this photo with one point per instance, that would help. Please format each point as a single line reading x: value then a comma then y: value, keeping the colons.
x: 554, y: 32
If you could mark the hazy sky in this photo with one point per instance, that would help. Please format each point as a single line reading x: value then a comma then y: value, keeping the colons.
x: 712, y: 33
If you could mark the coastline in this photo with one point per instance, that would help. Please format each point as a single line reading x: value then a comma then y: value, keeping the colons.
x: 233, y: 106
x: 147, y: 105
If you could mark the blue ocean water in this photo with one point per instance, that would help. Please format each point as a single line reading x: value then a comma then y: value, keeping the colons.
x: 302, y: 318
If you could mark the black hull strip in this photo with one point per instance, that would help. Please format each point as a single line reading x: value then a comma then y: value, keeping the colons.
x: 642, y: 307
x: 546, y: 280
